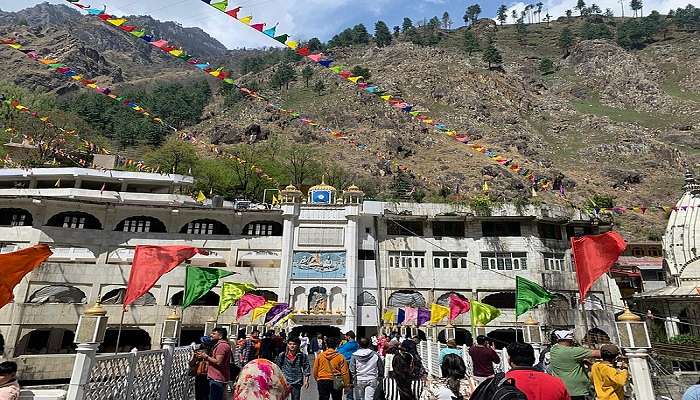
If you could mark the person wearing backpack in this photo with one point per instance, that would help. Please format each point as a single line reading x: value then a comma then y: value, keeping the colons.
x: 331, y: 372
x: 295, y: 367
x: 536, y: 384
x: 218, y: 364
x: 366, y: 368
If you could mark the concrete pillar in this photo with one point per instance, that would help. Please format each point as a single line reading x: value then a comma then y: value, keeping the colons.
x: 84, y: 360
x: 640, y: 374
x: 671, y: 325
x: 168, y: 351
x: 351, y: 239
x: 290, y: 212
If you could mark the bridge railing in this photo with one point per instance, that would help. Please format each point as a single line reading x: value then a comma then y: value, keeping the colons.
x: 140, y: 375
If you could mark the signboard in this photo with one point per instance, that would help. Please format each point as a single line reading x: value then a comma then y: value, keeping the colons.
x: 318, y: 265
x: 318, y: 319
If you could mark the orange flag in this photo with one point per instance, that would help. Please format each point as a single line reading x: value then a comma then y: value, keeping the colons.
x: 16, y: 265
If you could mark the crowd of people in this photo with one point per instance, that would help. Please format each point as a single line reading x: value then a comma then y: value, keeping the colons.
x: 389, y: 368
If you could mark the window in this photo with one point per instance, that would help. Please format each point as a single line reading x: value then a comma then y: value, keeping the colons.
x: 449, y: 260
x: 141, y: 224
x: 654, y: 252
x: 577, y: 231
x: 448, y: 228
x: 549, y: 231
x: 15, y: 217
x: 263, y: 228
x: 504, y: 261
x: 496, y: 229
x: 553, y: 261
x: 406, y: 259
x: 637, y: 252
x: 205, y: 227
x: 74, y: 220
x: 18, y: 219
x: 365, y: 254
x: 404, y: 228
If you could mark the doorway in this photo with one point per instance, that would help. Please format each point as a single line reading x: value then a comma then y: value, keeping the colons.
x: 314, y: 330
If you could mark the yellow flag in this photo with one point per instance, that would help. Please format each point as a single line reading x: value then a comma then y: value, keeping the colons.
x: 176, y: 52
x: 275, y: 200
x: 482, y: 313
x: 231, y: 292
x: 292, y: 44
x: 386, y: 98
x: 485, y: 187
x: 15, y: 46
x: 201, y: 198
x: 284, y: 319
x: 389, y: 316
x: 246, y: 20
x: 117, y: 21
x: 438, y: 313
x: 262, y: 310
x: 354, y: 79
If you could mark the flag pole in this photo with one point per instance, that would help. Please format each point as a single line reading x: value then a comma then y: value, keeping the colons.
x: 119, y: 332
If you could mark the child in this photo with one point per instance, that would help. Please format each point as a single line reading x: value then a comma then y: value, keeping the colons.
x: 9, y: 388
x: 609, y: 382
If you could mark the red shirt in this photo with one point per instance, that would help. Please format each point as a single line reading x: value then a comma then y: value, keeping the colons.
x: 537, y: 385
x: 220, y: 373
x: 483, y: 358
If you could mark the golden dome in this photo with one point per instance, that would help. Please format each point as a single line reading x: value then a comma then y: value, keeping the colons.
x: 322, y: 186
x: 628, y: 316
x: 531, y: 321
x: 291, y: 188
x: 96, y: 310
x: 353, y: 189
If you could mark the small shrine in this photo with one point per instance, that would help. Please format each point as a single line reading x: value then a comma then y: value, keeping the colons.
x: 322, y: 193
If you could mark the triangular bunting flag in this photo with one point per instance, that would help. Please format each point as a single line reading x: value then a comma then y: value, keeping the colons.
x: 282, y: 38
x: 234, y: 12
x: 258, y: 27
x: 292, y: 44
x: 221, y: 6
x: 246, y: 20
x: 271, y: 31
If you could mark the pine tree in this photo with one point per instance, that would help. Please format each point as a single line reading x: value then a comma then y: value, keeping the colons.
x: 546, y: 66
x: 471, y: 43
x: 502, y: 14
x: 568, y: 14
x: 609, y: 13
x: 407, y: 24
x: 319, y: 87
x: 397, y: 31
x: 446, y: 22
x: 360, y: 34
x: 547, y: 18
x: 492, y: 56
x: 514, y: 14
x: 307, y: 73
x: 382, y: 36
x: 566, y: 40
x: 539, y: 11
x: 361, y: 71
x: 580, y: 5
x: 314, y: 44
x: 636, y: 5
x: 472, y: 14
x: 521, y: 30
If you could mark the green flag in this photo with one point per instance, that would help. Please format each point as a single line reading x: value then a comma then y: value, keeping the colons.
x: 221, y: 6
x: 529, y: 295
x: 199, y: 281
x: 482, y: 313
x: 231, y: 292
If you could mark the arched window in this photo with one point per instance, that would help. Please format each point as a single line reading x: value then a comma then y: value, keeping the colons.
x: 263, y: 228
x: 268, y: 295
x: 366, y: 299
x: 58, y: 294
x: 46, y: 341
x: 116, y: 296
x: 559, y: 302
x: 596, y: 336
x: 444, y: 300
x: 15, y: 217
x: 406, y: 298
x: 593, y: 302
x: 500, y: 300
x: 74, y: 220
x: 205, y: 227
x: 141, y: 224
x: 209, y: 299
x: 129, y: 339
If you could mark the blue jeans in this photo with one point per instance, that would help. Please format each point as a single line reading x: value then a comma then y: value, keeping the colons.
x: 216, y: 390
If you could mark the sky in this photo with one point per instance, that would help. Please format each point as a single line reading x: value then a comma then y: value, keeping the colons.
x: 304, y: 19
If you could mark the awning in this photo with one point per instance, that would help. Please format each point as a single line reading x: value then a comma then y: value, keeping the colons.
x: 626, y: 272
x: 641, y: 262
x: 686, y: 290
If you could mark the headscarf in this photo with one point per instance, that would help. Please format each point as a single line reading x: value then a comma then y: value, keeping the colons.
x: 410, y: 347
x: 261, y: 379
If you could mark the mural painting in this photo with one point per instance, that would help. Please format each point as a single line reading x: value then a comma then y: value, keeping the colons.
x: 318, y: 265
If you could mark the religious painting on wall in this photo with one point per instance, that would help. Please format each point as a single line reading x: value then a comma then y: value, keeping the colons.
x: 318, y: 265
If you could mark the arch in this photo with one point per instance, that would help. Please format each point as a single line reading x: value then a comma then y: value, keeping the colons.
x: 205, y: 227
x: 46, y: 341
x: 262, y: 228
x: 58, y: 294
x: 559, y: 302
x: 15, y: 217
x: 318, y: 299
x: 366, y: 299
x: 313, y: 331
x: 596, y: 336
x: 500, y: 299
x: 116, y: 296
x: 406, y: 298
x: 504, y: 336
x: 684, y: 328
x: 75, y: 220
x: 593, y: 302
x: 267, y: 294
x: 130, y: 338
x: 337, y: 300
x: 209, y: 299
x: 300, y: 302
x: 462, y: 336
x: 141, y: 223
x: 444, y: 299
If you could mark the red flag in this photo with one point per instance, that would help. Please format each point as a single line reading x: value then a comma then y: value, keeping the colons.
x: 234, y: 12
x: 458, y: 305
x: 247, y: 303
x: 593, y: 256
x: 16, y: 265
x: 304, y: 51
x: 150, y: 263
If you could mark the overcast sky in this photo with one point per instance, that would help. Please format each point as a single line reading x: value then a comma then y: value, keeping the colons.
x: 305, y: 19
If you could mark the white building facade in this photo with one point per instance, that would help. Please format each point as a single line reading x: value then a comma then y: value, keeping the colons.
x: 338, y: 260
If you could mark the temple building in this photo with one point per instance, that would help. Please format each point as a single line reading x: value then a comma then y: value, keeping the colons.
x: 338, y: 259
x: 679, y: 301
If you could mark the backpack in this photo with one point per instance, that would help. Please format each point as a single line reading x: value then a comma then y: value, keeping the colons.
x: 498, y: 388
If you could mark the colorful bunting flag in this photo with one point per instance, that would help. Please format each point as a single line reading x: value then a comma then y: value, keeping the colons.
x: 262, y: 310
x: 529, y: 295
x: 232, y: 292
x: 199, y: 281
x: 482, y: 313
x: 438, y: 313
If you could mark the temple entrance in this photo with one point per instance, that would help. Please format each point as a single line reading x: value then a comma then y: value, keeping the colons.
x: 313, y: 331
x: 505, y: 336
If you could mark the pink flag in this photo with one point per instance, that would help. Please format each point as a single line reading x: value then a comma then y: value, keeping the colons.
x: 315, y: 57
x: 411, y: 315
x: 160, y: 43
x: 458, y: 305
x: 247, y: 303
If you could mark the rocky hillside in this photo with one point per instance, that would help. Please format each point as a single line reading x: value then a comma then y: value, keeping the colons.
x: 606, y: 123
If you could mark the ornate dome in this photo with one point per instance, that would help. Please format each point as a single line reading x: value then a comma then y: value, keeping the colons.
x: 353, y: 188
x: 322, y: 186
x: 682, y: 238
x: 291, y: 188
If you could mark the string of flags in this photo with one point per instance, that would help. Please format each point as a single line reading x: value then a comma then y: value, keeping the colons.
x: 538, y: 181
x: 226, y: 77
x: 68, y: 72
